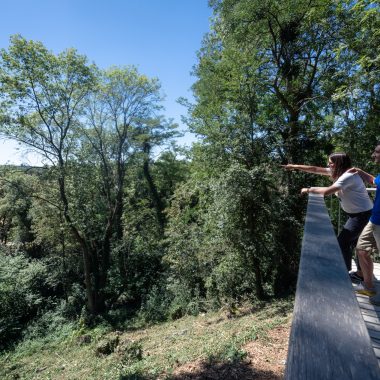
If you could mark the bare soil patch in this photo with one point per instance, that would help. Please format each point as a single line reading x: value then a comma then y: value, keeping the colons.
x: 265, y: 360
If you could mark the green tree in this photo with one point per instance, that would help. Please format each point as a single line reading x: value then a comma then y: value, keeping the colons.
x: 357, y: 97
x: 86, y: 124
x: 41, y: 105
x: 225, y: 242
x: 283, y: 52
x: 15, y: 204
x: 121, y: 122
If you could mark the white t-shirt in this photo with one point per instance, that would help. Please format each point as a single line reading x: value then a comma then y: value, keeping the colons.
x: 353, y: 193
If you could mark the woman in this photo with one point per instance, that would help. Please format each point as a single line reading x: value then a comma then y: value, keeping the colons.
x: 353, y: 197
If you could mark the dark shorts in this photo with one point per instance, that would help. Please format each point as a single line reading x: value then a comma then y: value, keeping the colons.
x: 356, y: 222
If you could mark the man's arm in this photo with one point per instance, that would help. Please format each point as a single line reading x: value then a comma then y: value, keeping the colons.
x: 366, y: 177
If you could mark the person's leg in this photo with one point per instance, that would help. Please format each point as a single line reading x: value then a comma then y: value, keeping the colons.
x: 344, y: 240
x: 366, y: 264
x: 358, y: 268
x: 349, y: 235
x: 375, y: 300
x: 365, y: 246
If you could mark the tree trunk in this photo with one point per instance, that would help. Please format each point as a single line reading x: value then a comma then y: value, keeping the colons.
x: 153, y: 191
x: 89, y: 266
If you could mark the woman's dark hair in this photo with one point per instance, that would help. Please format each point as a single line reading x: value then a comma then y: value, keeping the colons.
x: 342, y: 162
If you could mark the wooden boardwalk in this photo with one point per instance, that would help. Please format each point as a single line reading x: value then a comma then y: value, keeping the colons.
x: 371, y: 314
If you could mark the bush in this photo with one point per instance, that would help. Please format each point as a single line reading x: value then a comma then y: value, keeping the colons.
x: 22, y: 285
x: 230, y: 280
x: 50, y: 324
x: 184, y: 300
x: 156, y: 306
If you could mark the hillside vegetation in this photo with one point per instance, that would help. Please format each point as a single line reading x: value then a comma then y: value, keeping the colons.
x: 237, y: 343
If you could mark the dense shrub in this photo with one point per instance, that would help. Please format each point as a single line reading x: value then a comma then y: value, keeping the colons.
x: 23, y: 283
x: 224, y: 238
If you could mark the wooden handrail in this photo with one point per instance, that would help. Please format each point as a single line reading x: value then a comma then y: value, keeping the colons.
x: 328, y: 339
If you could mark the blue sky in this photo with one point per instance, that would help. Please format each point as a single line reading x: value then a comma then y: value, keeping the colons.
x: 160, y: 37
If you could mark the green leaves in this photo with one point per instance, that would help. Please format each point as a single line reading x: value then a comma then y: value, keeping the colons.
x: 22, y: 284
x: 261, y: 78
x: 42, y: 96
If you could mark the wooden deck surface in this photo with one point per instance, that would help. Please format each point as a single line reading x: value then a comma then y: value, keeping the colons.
x: 371, y: 313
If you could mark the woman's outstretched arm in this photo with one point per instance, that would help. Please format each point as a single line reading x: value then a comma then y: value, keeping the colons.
x: 308, y: 169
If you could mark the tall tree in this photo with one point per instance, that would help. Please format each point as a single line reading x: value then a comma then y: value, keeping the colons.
x: 122, y: 120
x: 86, y: 125
x: 42, y: 99
x: 261, y: 97
x: 289, y: 48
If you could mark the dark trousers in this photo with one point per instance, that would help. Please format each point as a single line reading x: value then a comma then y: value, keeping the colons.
x: 350, y: 233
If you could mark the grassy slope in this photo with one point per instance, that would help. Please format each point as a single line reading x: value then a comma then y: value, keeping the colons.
x: 212, y: 336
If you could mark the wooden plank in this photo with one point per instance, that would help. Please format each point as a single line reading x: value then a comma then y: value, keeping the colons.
x: 373, y: 334
x: 371, y: 319
x: 374, y: 327
x: 329, y: 339
x: 371, y: 316
x: 377, y: 353
x: 366, y: 305
x: 371, y: 313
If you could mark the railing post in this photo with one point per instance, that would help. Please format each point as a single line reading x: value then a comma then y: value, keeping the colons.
x: 328, y: 340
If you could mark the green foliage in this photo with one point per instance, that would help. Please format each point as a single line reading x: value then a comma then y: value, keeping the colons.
x: 15, y: 203
x: 357, y: 97
x: 110, y: 231
x: 50, y: 325
x: 184, y: 300
x: 41, y: 95
x: 172, y: 300
x: 244, y: 216
x: 185, y: 234
x: 221, y: 237
x: 260, y: 79
x: 155, y: 307
x: 234, y: 353
x: 88, y: 124
x: 23, y: 294
x: 229, y: 279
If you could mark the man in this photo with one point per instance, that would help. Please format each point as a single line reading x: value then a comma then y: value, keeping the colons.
x: 369, y: 239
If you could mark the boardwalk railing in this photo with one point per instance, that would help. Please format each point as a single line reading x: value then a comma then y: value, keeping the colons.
x: 328, y: 339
